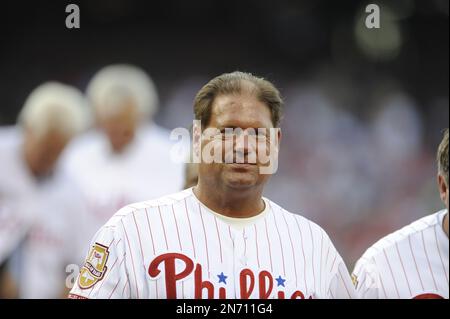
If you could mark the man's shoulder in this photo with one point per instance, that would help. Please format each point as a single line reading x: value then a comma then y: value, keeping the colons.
x: 10, y: 135
x: 147, y: 207
x: 13, y: 168
x: 403, y: 235
x: 83, y: 147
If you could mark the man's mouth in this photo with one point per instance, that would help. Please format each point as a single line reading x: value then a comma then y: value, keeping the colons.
x: 241, y: 166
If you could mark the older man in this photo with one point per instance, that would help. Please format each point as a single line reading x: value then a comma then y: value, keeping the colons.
x: 38, y: 203
x: 126, y: 156
x: 221, y: 238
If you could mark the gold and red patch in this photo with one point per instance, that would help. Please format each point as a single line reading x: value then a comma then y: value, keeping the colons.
x: 94, y: 268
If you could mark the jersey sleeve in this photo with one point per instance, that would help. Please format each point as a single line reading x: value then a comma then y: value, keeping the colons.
x: 103, y: 274
x: 341, y: 286
x: 338, y: 281
x: 365, y: 278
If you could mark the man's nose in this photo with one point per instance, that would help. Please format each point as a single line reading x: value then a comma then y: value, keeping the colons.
x: 245, y: 143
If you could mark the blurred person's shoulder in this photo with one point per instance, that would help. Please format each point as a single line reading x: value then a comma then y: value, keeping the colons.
x: 156, y: 142
x: 407, y: 234
x: 155, y: 130
x: 10, y: 152
x: 9, y: 135
x: 65, y: 184
x: 86, y: 142
x: 156, y: 135
x: 83, y: 150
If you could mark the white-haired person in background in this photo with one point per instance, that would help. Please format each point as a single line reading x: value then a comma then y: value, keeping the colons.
x: 39, y: 206
x: 125, y: 157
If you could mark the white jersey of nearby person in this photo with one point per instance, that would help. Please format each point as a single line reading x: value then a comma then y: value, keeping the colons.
x: 18, y: 191
x: 9, y: 134
x: 39, y: 220
x: 110, y: 181
x: 175, y: 247
x: 53, y: 247
x: 409, y: 263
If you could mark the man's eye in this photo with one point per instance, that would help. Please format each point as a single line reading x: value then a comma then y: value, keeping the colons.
x: 262, y: 135
x: 225, y: 134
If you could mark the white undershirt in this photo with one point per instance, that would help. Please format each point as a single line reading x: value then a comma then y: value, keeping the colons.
x: 237, y: 222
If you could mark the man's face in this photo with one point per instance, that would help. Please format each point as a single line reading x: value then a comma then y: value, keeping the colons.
x: 443, y: 189
x: 120, y: 127
x: 43, y: 151
x: 245, y: 113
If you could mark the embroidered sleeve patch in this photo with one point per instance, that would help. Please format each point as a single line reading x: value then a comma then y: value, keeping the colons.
x: 94, y: 268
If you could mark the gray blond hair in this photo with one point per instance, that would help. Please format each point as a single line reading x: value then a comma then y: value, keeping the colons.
x: 54, y: 106
x: 232, y: 83
x: 442, y: 156
x: 114, y: 83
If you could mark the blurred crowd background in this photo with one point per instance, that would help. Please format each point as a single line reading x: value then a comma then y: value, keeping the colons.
x: 364, y: 108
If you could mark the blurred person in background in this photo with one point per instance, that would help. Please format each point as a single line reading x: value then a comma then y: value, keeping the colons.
x: 39, y: 206
x: 126, y: 157
x: 412, y: 262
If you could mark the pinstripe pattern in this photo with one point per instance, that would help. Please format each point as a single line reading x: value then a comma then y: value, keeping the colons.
x: 279, y: 254
x: 408, y: 263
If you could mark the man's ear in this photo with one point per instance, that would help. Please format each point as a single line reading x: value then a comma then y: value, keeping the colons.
x: 197, y: 140
x: 275, y: 136
x: 443, y: 187
x: 279, y: 135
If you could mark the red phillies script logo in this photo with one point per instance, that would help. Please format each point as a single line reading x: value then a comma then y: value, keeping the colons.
x: 428, y: 296
x: 247, y: 279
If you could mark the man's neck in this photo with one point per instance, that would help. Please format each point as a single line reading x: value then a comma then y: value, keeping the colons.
x: 231, y: 203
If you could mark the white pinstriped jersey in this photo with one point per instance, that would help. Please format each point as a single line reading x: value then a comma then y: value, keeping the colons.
x: 409, y: 263
x: 175, y: 247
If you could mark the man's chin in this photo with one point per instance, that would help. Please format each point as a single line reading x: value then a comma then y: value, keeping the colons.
x: 242, y: 186
x: 240, y: 182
